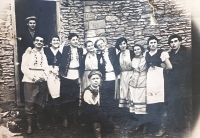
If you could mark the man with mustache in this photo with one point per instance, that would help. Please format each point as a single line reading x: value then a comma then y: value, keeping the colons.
x: 69, y: 71
x: 178, y: 81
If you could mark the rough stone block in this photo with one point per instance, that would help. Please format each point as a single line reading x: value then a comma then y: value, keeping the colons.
x: 90, y: 3
x: 145, y: 16
x: 111, y: 18
x: 126, y: 14
x: 100, y: 17
x: 89, y: 16
x: 98, y: 24
x: 100, y: 32
x: 141, y: 20
x: 90, y: 33
x: 87, y: 9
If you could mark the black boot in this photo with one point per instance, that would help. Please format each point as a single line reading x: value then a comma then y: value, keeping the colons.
x: 57, y: 110
x: 75, y: 118
x: 38, y: 122
x: 65, y: 121
x: 56, y: 113
x: 145, y: 129
x: 161, y: 131
x: 97, y: 130
x: 53, y: 118
x: 29, y: 124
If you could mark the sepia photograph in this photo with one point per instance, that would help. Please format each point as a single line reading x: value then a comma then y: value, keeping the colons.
x: 99, y: 69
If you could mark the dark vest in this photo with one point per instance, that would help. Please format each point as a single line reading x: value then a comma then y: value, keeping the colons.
x: 52, y: 60
x: 83, y: 103
x: 66, y: 59
x: 154, y: 60
x: 113, y: 59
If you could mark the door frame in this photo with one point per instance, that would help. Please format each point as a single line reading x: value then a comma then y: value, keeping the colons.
x: 16, y: 63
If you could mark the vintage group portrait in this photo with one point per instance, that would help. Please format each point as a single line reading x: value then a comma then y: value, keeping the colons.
x: 96, y: 69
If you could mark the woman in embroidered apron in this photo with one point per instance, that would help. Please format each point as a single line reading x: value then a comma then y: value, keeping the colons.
x: 90, y: 62
x: 137, y: 88
x: 124, y: 58
x: 90, y: 108
x: 53, y: 56
x: 157, y: 60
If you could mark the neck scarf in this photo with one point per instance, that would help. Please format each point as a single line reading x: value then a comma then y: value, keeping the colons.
x: 94, y: 91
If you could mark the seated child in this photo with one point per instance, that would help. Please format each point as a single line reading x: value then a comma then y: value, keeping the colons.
x: 90, y: 107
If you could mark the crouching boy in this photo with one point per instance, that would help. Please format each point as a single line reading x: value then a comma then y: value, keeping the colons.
x: 90, y: 107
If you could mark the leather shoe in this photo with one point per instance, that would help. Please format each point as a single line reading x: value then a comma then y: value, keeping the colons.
x: 144, y: 131
x: 29, y: 129
x: 137, y: 128
x: 75, y: 119
x: 39, y: 126
x: 160, y: 133
x: 65, y: 122
x: 178, y: 130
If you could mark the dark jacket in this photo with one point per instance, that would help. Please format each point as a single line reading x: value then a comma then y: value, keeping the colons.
x: 113, y: 59
x: 181, y: 67
x: 26, y: 41
x: 66, y: 58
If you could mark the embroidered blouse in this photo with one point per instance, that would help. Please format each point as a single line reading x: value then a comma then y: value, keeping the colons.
x: 34, y: 65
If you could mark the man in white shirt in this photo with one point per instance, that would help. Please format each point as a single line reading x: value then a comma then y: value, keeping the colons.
x: 35, y: 69
x: 69, y: 72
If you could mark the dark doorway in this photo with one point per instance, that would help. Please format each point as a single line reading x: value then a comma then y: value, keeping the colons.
x: 45, y: 11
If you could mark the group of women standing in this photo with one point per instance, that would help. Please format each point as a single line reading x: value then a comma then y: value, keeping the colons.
x: 134, y: 66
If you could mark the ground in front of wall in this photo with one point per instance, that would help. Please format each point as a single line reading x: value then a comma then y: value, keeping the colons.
x: 123, y: 128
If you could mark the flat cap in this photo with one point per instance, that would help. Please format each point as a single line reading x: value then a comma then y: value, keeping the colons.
x: 94, y: 72
x: 30, y: 18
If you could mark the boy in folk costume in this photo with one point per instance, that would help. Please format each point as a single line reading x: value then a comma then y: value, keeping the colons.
x: 90, y: 107
x: 35, y: 69
x: 69, y: 71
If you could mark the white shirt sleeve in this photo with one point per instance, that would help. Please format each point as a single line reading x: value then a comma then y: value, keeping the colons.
x: 164, y: 56
x: 25, y: 64
x: 88, y: 98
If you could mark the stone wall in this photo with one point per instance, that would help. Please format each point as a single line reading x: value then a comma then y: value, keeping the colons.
x: 131, y: 19
x: 71, y: 20
x: 94, y: 19
x: 7, y: 78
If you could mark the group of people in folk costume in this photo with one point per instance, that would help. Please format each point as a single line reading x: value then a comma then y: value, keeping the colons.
x: 97, y: 84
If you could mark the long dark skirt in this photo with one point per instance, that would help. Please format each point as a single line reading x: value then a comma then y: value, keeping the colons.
x: 69, y: 94
x: 108, y: 104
